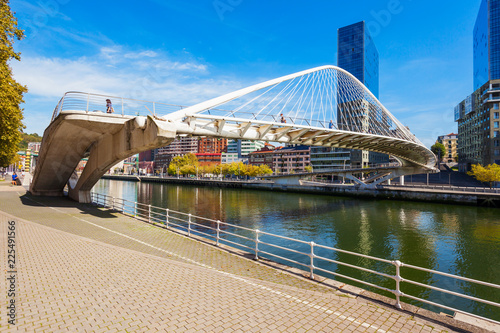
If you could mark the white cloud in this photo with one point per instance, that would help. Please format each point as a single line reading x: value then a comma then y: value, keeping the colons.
x: 145, y: 75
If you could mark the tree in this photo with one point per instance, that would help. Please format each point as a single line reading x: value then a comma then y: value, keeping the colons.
x: 27, y: 138
x: 488, y: 174
x: 308, y: 168
x: 439, y: 150
x: 185, y: 164
x: 11, y: 92
x: 264, y: 169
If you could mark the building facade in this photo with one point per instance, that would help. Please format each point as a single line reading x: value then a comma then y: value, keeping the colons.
x: 478, y: 114
x: 450, y: 142
x: 262, y: 156
x: 211, y: 145
x: 291, y: 159
x: 208, y: 159
x: 327, y: 158
x: 180, y: 146
x: 244, y: 147
x: 357, y: 54
x: 486, y: 44
x: 478, y: 118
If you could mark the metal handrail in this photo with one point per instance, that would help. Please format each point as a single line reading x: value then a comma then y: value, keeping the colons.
x: 86, y: 102
x: 166, y: 216
x: 470, y: 189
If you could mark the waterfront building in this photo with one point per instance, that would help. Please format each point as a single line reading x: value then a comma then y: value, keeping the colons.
x: 478, y: 114
x: 244, y: 147
x: 228, y: 158
x: 291, y: 159
x: 265, y: 155
x: 208, y: 159
x: 450, y: 142
x: 211, y: 145
x: 180, y: 146
x: 357, y: 54
x: 328, y: 158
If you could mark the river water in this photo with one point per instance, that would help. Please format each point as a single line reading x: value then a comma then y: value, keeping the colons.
x: 455, y: 239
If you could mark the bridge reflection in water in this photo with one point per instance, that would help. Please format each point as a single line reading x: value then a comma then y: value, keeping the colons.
x: 459, y: 240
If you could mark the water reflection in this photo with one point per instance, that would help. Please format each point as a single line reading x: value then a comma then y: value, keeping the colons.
x: 456, y: 239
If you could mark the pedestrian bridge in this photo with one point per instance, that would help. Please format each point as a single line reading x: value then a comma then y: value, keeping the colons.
x: 323, y: 106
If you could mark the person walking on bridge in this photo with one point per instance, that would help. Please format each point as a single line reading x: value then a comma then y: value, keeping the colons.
x: 109, y: 106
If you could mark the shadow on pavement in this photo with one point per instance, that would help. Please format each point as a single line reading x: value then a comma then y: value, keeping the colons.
x: 65, y: 202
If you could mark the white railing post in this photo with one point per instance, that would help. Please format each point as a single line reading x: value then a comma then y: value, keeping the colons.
x: 257, y: 244
x: 88, y: 99
x: 122, y: 108
x: 398, y: 279
x: 135, y: 208
x: 113, y: 203
x: 311, y: 266
x: 154, y: 110
x: 149, y: 213
x: 218, y: 232
x: 166, y: 218
x: 189, y: 225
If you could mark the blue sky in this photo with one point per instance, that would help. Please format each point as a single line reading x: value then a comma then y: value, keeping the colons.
x: 184, y: 52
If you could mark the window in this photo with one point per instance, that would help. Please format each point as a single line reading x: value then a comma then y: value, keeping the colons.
x: 496, y: 115
x: 497, y: 152
x: 495, y: 106
x: 497, y: 134
x: 495, y: 124
x: 497, y: 143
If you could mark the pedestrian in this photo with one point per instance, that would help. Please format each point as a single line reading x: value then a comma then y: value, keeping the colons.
x: 14, y: 178
x: 330, y: 125
x: 282, y: 118
x: 109, y: 106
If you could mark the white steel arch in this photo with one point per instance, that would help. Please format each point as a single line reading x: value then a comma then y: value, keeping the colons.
x: 322, y: 106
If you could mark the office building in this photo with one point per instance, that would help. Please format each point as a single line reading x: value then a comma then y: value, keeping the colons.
x: 486, y: 43
x: 358, y: 55
x: 244, y: 147
x: 478, y: 114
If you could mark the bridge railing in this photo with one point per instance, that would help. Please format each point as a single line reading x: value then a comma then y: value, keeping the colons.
x: 80, y: 101
x: 381, y: 274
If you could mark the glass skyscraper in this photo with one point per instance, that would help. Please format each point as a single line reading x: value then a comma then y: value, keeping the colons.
x: 486, y: 47
x: 478, y: 115
x: 358, y: 55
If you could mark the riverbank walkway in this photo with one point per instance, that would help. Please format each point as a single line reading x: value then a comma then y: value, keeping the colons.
x: 81, y: 268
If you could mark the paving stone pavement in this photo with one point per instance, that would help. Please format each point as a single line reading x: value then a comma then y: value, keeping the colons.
x: 87, y: 269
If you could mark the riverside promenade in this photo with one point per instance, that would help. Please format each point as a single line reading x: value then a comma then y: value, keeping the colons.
x: 80, y: 268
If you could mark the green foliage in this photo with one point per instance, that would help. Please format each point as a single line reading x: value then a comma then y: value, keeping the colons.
x: 488, y: 174
x: 264, y: 169
x: 439, y: 150
x: 308, y: 168
x: 27, y: 138
x: 188, y: 165
x: 183, y: 165
x: 11, y: 92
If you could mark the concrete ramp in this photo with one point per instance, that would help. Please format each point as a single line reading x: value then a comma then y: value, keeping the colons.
x: 106, y: 139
